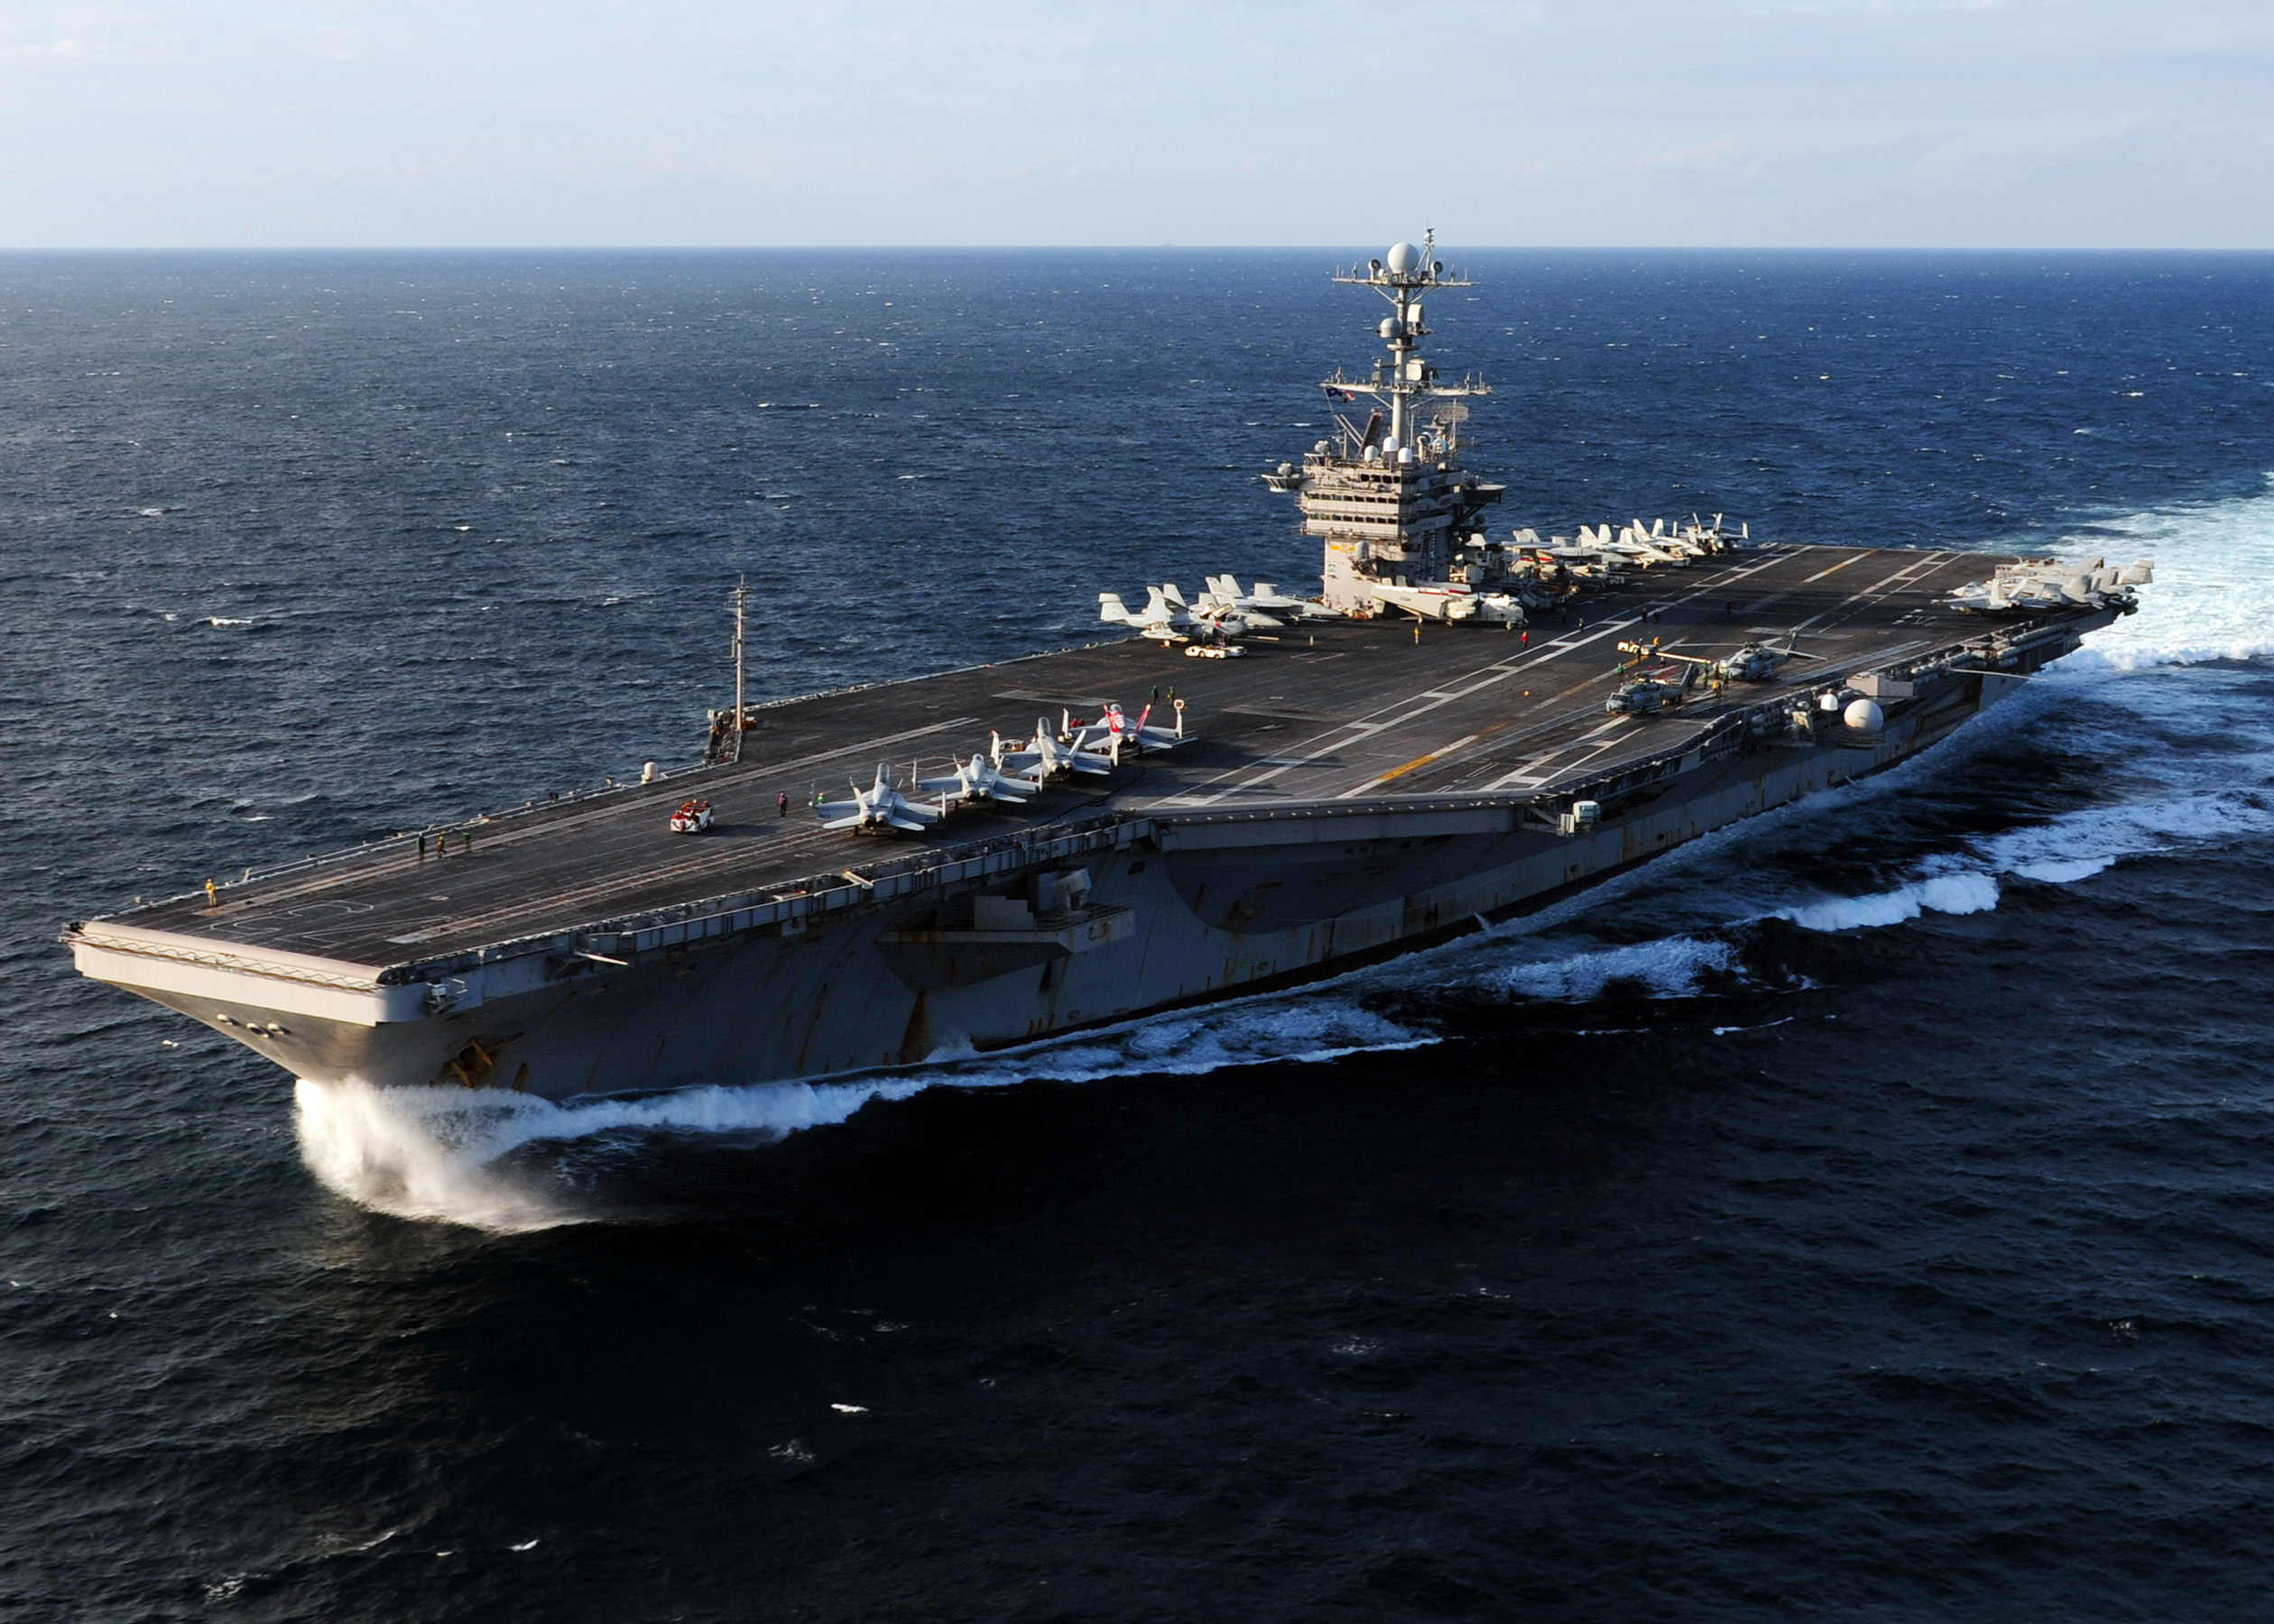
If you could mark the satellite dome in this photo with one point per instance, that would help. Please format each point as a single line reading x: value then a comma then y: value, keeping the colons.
x: 1405, y: 259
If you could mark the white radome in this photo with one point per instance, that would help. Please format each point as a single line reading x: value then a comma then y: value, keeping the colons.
x: 1405, y: 259
x: 1863, y: 716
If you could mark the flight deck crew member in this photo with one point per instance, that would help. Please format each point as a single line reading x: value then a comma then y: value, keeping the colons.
x: 782, y: 804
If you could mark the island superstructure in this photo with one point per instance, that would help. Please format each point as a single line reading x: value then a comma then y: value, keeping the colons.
x: 1388, y: 497
x: 1456, y: 730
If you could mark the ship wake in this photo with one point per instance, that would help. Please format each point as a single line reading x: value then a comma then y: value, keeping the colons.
x: 458, y: 1155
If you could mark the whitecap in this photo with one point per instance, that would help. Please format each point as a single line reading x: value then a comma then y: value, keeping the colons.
x: 1955, y: 893
x: 2082, y: 844
x: 2212, y: 597
x: 1670, y: 967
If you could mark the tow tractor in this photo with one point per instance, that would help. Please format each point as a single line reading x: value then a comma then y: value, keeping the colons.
x: 692, y: 817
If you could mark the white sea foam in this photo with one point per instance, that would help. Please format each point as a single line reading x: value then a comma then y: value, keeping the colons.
x: 1668, y: 968
x: 1953, y: 893
x: 2082, y: 844
x: 433, y: 1152
x: 2214, y: 593
x: 436, y: 1152
x: 2064, y: 851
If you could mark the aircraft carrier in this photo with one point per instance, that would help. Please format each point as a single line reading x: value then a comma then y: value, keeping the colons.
x: 1455, y: 730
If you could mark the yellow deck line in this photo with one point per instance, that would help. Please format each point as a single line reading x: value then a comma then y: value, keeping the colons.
x: 1424, y: 760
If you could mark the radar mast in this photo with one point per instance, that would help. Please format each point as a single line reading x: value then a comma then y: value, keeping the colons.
x: 1403, y: 277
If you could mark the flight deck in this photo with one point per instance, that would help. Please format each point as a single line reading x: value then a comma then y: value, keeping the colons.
x: 1327, y: 711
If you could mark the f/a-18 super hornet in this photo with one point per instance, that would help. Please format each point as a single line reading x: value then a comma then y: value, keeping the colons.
x: 1266, y: 600
x: 1112, y: 734
x: 1045, y: 757
x: 881, y: 806
x: 979, y: 779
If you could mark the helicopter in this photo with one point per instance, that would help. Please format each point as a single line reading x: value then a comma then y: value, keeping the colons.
x: 1757, y: 662
x: 1660, y: 689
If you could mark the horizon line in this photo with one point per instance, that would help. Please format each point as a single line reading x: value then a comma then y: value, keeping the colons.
x: 631, y: 248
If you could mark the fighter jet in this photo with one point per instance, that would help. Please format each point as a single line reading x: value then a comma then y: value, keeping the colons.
x: 1710, y: 538
x: 1045, y: 758
x: 1266, y: 600
x: 1219, y: 622
x: 881, y: 806
x: 2043, y: 584
x: 1112, y: 734
x: 1642, y: 547
x: 978, y: 780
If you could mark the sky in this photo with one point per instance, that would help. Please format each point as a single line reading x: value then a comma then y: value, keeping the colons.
x: 1898, y: 124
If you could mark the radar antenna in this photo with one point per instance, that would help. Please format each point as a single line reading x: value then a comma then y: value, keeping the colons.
x: 1404, y: 376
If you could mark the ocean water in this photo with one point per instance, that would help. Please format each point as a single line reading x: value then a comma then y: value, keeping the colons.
x: 1867, y: 1212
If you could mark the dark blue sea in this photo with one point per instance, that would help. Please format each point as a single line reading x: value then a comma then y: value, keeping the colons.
x: 1867, y: 1213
